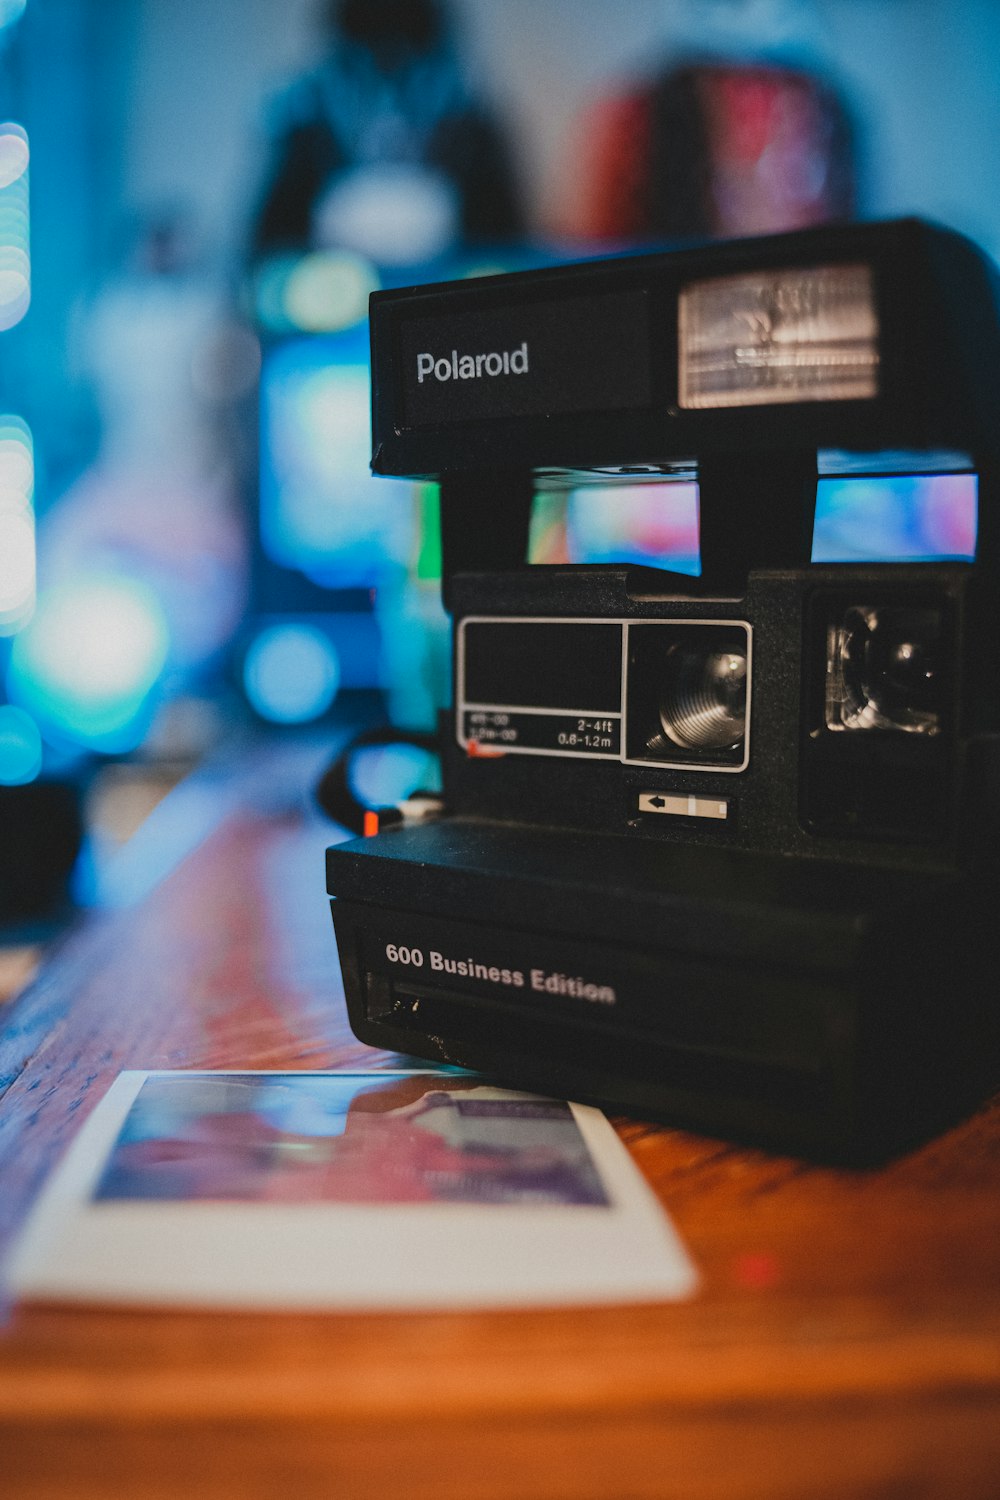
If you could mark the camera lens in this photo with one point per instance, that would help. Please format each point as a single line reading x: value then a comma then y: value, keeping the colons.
x: 704, y: 701
x: 884, y: 670
x: 688, y: 694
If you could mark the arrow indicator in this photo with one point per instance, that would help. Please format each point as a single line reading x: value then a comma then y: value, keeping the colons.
x: 683, y: 807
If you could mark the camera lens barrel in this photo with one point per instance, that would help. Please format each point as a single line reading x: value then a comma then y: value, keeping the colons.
x: 884, y: 670
x: 705, y: 699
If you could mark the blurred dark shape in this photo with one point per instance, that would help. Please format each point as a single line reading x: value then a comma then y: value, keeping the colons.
x: 718, y: 150
x: 389, y: 91
x: 388, y: 27
x: 41, y: 831
x: 164, y: 244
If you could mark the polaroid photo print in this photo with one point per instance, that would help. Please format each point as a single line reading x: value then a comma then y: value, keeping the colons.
x: 374, y: 1190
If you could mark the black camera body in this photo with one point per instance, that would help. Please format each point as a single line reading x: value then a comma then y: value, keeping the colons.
x: 720, y: 850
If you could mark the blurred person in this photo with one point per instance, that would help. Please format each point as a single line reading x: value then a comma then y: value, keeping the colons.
x: 158, y: 501
x: 383, y: 150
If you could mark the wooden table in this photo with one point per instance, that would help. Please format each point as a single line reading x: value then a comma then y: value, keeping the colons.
x: 846, y: 1341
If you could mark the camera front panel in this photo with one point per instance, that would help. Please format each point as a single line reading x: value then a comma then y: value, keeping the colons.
x: 820, y: 714
x: 673, y: 693
x: 593, y: 698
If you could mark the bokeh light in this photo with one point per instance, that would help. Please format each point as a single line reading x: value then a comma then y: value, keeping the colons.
x: 395, y: 213
x: 88, y: 663
x: 328, y: 291
x: 17, y: 525
x: 291, y: 673
x: 14, y: 153
x: 270, y: 283
x: 11, y: 11
x: 322, y: 511
x: 20, y: 747
x: 15, y: 256
x: 382, y: 775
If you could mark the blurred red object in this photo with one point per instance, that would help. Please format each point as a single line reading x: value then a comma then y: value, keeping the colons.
x: 719, y: 151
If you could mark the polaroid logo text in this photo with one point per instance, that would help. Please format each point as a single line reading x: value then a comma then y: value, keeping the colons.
x: 473, y: 366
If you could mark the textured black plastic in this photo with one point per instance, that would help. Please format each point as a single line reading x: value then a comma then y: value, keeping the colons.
x: 821, y: 1010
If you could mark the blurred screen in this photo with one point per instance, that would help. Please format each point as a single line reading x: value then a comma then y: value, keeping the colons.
x: 322, y: 513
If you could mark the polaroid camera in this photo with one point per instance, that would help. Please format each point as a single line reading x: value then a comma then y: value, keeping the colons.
x: 719, y: 850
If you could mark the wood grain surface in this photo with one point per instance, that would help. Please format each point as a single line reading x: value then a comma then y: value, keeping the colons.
x: 845, y: 1340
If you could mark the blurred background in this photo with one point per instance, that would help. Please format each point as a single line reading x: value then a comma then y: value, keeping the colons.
x: 195, y: 203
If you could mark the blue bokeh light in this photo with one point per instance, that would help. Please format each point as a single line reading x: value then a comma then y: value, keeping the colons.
x: 87, y: 665
x: 20, y: 747
x: 15, y: 238
x: 11, y: 11
x: 17, y: 525
x: 291, y: 673
x: 328, y: 290
x: 322, y: 512
x: 382, y: 775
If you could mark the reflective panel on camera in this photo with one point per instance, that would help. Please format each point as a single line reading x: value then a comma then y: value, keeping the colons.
x: 779, y: 336
x: 896, y: 518
x: 884, y: 670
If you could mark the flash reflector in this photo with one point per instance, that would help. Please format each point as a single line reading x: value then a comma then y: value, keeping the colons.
x: 781, y: 336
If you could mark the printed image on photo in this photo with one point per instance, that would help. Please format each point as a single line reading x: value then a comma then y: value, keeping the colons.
x: 310, y: 1138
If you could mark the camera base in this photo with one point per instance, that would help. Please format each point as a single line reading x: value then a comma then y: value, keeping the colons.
x: 822, y: 1010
